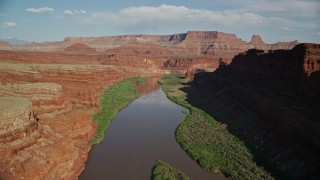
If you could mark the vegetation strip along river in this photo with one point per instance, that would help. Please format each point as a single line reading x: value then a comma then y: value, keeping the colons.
x: 141, y: 134
x: 207, y: 142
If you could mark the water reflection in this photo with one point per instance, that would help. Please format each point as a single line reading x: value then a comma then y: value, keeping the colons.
x: 150, y: 84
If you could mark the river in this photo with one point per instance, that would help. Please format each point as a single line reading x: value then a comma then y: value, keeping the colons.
x: 141, y: 134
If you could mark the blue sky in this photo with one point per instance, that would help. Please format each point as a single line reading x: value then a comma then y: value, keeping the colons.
x: 49, y: 20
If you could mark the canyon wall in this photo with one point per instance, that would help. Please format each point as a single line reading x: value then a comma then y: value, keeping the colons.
x: 26, y: 145
x: 121, y: 58
x: 271, y: 101
x: 196, y: 43
x: 180, y: 52
x: 46, y: 114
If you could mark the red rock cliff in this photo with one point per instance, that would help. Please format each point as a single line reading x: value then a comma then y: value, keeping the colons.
x: 79, y: 48
x: 256, y: 40
x: 196, y: 43
x: 47, y: 138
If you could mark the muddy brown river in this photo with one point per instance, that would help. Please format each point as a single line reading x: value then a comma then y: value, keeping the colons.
x: 141, y: 134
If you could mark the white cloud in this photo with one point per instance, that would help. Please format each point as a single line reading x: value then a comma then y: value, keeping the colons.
x: 40, y: 10
x: 290, y: 29
x: 68, y: 12
x: 168, y: 15
x: 2, y: 15
x: 74, y: 12
x: 8, y: 24
x: 301, y: 8
x: 286, y: 29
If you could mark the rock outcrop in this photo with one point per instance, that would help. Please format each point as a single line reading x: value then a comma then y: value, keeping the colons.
x: 79, y: 48
x: 256, y: 40
x: 271, y: 102
x: 28, y: 149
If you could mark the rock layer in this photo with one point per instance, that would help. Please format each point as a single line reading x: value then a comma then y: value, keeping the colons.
x: 4, y: 44
x: 197, y: 43
x: 191, y: 50
x: 26, y: 145
x: 79, y: 48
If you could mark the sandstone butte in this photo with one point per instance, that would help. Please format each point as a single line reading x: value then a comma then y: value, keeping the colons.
x: 49, y: 90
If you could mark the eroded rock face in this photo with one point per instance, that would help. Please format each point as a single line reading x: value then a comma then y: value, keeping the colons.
x: 256, y: 40
x: 199, y: 43
x: 79, y: 48
x: 271, y: 102
x: 29, y: 149
x: 33, y: 91
x: 60, y: 98
x: 196, y: 43
x: 203, y: 48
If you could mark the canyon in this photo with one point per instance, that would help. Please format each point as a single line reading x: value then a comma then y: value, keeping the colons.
x: 50, y: 90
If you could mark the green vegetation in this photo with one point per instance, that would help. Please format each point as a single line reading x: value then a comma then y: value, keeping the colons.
x: 208, y: 143
x: 114, y: 98
x: 163, y: 171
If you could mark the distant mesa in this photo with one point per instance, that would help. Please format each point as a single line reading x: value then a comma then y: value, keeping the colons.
x: 192, y: 43
x: 15, y: 41
x: 79, y: 48
x: 256, y: 40
x: 4, y: 44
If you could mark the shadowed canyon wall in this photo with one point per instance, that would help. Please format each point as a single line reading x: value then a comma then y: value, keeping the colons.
x: 271, y: 101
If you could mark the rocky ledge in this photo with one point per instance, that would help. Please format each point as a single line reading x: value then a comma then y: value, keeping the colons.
x: 26, y: 145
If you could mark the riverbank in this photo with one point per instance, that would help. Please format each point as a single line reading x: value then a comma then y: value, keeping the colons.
x: 113, y: 99
x: 208, y: 142
x: 163, y: 170
x: 139, y: 135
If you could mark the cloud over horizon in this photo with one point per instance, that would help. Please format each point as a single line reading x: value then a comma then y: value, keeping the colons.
x: 40, y: 10
x: 274, y: 20
x: 8, y: 24
x: 180, y: 16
